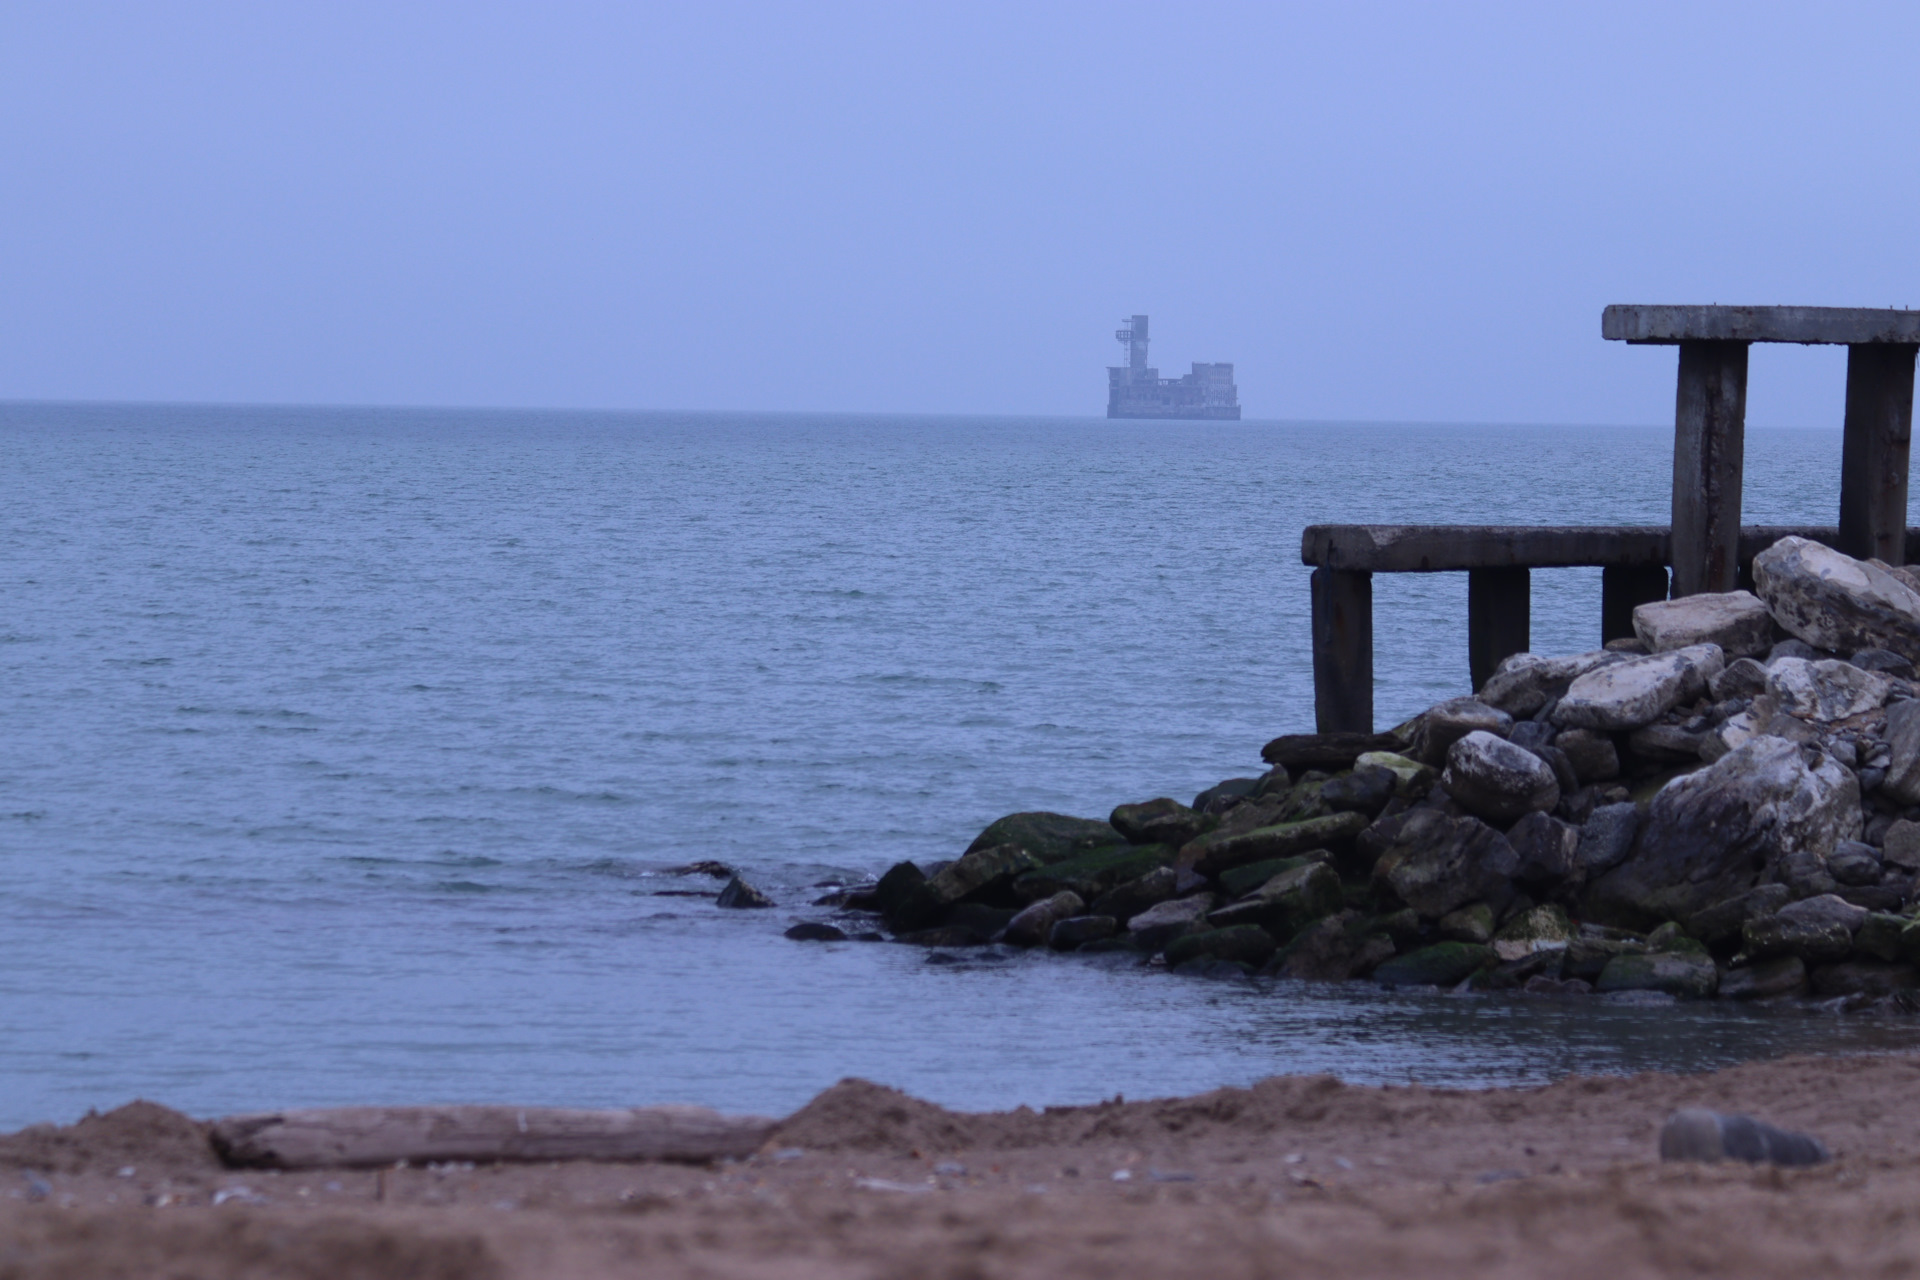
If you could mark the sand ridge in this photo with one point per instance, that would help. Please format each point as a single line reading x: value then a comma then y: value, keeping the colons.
x: 1292, y: 1176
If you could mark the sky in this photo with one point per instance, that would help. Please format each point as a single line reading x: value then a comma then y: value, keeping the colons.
x: 1406, y: 212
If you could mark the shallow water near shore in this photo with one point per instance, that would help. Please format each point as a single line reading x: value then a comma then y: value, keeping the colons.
x: 346, y: 752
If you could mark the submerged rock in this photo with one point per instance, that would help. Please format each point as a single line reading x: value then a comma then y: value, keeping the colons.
x: 1445, y: 964
x: 1243, y: 943
x: 1764, y: 979
x: 1687, y: 974
x: 739, y: 893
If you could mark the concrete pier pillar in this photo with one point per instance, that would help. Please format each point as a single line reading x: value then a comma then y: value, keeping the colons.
x: 1873, y: 451
x: 1499, y: 618
x: 1709, y: 450
x: 1342, y: 651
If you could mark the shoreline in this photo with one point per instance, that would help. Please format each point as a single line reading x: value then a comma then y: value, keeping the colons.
x: 1299, y: 1174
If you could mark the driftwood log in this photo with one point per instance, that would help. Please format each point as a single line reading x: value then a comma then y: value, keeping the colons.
x: 344, y: 1137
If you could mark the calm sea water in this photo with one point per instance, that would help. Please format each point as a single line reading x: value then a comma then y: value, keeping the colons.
x: 345, y: 753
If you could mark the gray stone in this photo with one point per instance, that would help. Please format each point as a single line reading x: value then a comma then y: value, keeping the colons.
x: 1607, y: 837
x: 1824, y: 910
x: 1882, y: 935
x: 946, y: 935
x: 1162, y: 821
x: 1411, y: 778
x: 1435, y: 863
x: 1695, y: 1133
x: 1158, y: 925
x: 1223, y: 796
x: 1902, y: 845
x: 1588, y: 956
x: 1593, y: 755
x: 1547, y: 850
x: 1626, y: 695
x: 1713, y: 833
x: 1764, y: 979
x: 981, y: 871
x: 1737, y: 621
x: 1816, y: 938
x: 1034, y: 924
x: 1664, y: 744
x: 1366, y: 790
x: 1543, y: 928
x: 1525, y: 682
x: 1075, y: 932
x: 1723, y: 921
x: 1884, y: 661
x: 1832, y: 601
x: 1445, y: 723
x: 739, y: 893
x: 1742, y: 678
x: 1804, y: 872
x: 1824, y: 691
x: 1854, y: 862
x: 1686, y: 974
x: 1903, y: 746
x: 1125, y: 901
x: 1286, y: 902
x: 1494, y: 779
x: 1792, y: 649
x: 1531, y: 734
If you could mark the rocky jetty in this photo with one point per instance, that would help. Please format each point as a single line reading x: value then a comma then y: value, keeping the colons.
x: 1726, y: 806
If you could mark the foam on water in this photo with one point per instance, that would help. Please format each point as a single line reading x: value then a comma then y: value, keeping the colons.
x: 344, y: 754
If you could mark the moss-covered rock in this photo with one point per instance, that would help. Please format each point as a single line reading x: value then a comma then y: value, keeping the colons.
x: 1092, y: 874
x: 1246, y: 943
x: 1287, y: 902
x: 1049, y: 837
x: 1687, y: 974
x: 1238, y: 882
x: 1471, y: 923
x: 1216, y: 852
x: 1881, y: 936
x: 1442, y: 965
x: 1411, y: 778
x: 1541, y: 928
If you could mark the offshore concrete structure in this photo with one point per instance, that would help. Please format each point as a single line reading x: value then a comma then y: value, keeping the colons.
x: 1134, y: 390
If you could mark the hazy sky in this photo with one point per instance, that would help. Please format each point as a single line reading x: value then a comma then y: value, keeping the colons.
x: 1402, y: 211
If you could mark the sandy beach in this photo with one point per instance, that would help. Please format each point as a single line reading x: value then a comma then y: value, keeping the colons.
x: 1294, y: 1176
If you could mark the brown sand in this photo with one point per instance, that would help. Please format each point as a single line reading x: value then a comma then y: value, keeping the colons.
x: 1295, y: 1176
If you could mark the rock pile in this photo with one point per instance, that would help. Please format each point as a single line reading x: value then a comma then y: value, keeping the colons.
x: 1727, y: 805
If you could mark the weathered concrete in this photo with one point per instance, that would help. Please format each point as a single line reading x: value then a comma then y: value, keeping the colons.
x: 1833, y: 325
x: 1737, y: 621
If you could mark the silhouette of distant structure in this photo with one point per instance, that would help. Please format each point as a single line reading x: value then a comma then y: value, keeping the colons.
x: 1135, y: 390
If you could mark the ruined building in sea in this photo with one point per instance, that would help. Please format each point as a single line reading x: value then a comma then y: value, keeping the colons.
x: 1136, y: 391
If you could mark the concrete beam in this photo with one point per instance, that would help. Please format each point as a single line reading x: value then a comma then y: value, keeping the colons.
x: 1844, y: 325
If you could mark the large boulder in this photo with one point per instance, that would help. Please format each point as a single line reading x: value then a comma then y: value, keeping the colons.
x: 1593, y: 756
x: 1714, y: 833
x: 1544, y: 928
x: 1737, y: 621
x: 983, y: 874
x: 1219, y: 850
x: 1049, y: 837
x: 1092, y: 874
x: 1837, y: 603
x: 1546, y: 848
x: 1162, y: 821
x: 1525, y: 682
x: 1125, y: 901
x: 1606, y: 838
x: 1815, y: 929
x: 1825, y: 691
x: 1445, y: 723
x: 1903, y: 771
x: 1497, y: 780
x: 1160, y: 924
x: 1626, y: 695
x: 1287, y: 902
x: 1435, y: 863
x: 1247, y: 944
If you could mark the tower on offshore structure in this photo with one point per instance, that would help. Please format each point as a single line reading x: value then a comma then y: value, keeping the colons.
x: 1135, y: 390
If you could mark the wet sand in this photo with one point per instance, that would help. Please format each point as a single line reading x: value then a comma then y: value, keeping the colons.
x: 1294, y: 1176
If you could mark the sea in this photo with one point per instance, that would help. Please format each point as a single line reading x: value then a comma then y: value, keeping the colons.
x: 352, y: 755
